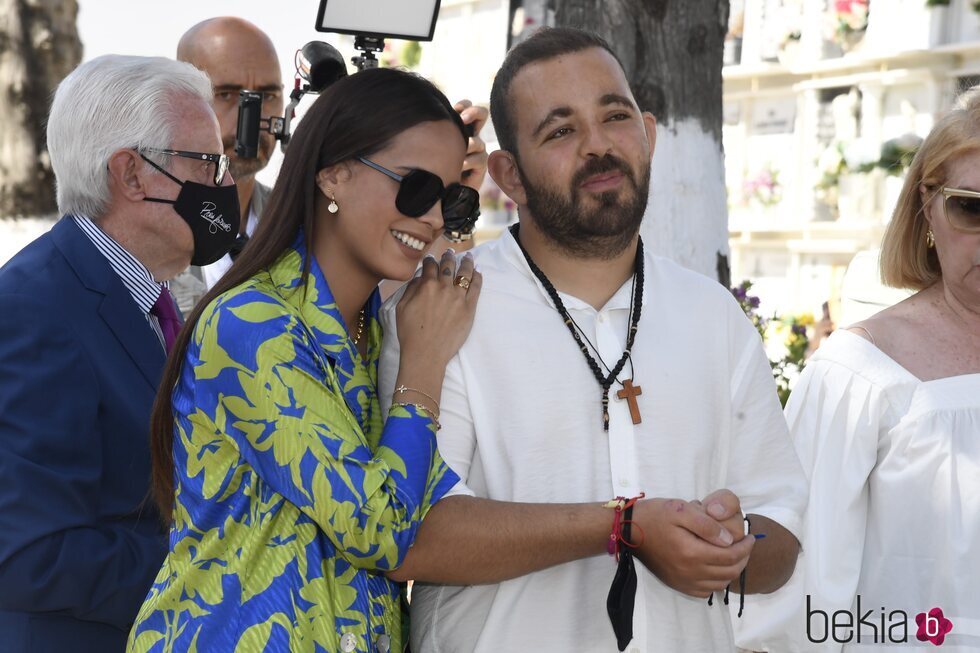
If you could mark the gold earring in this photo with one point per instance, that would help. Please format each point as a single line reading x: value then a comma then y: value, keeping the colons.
x: 930, y: 239
x: 332, y: 206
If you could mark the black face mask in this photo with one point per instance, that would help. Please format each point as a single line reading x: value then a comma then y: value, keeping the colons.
x: 212, y: 212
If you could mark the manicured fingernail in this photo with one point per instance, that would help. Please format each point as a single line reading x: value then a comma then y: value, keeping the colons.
x: 716, y: 510
x: 468, y: 256
x: 451, y: 251
x: 430, y: 256
x: 726, y: 537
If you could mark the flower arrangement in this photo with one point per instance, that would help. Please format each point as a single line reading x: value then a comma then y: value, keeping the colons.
x: 839, y: 159
x: 792, y: 329
x: 750, y: 306
x: 831, y: 166
x: 897, y: 153
x: 763, y: 188
x: 850, y: 20
x: 860, y: 156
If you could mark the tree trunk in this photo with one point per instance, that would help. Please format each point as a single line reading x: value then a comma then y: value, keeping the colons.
x: 672, y: 53
x: 39, y: 45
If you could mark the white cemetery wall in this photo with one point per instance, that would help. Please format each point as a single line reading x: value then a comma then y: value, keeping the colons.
x: 901, y: 25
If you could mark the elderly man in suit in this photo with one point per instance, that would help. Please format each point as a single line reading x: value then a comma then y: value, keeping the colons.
x: 85, y: 323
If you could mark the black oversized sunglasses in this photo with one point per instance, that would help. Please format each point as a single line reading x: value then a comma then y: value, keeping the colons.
x: 419, y: 190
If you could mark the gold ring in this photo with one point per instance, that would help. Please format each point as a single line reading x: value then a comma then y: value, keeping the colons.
x: 462, y: 282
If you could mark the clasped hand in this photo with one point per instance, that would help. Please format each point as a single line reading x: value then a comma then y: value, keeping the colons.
x: 695, y: 547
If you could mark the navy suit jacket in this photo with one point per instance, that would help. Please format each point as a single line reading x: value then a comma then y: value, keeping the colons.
x: 80, y: 541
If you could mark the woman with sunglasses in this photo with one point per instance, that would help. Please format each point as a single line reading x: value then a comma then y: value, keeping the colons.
x: 886, y: 420
x: 291, y: 494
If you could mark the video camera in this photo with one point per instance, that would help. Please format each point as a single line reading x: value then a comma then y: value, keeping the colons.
x: 319, y: 64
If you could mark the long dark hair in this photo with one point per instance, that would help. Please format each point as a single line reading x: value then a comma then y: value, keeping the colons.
x: 357, y: 116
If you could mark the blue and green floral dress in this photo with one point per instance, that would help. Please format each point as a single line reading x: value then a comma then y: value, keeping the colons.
x: 292, y: 498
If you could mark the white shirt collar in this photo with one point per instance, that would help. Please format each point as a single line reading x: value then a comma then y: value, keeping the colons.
x: 135, y: 276
x: 621, y: 300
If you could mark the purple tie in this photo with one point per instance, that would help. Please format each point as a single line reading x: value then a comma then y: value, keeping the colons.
x: 167, y: 316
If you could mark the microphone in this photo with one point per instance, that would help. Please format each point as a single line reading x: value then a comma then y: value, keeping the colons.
x: 321, y: 64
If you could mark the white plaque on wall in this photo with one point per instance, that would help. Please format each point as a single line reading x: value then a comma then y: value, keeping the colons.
x: 773, y: 116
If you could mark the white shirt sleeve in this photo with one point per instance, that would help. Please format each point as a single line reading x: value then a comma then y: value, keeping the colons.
x: 834, y: 417
x: 457, y: 437
x: 763, y: 468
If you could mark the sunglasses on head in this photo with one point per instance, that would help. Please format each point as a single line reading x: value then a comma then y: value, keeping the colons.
x: 419, y: 190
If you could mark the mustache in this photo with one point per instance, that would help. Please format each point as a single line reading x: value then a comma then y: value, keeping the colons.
x: 597, y: 166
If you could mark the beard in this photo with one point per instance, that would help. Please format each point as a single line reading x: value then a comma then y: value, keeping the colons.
x: 602, y: 231
x: 241, y: 168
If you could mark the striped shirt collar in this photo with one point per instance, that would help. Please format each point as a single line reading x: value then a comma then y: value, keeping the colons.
x: 134, y: 275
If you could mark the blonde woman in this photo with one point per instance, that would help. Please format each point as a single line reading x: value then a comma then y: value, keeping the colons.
x: 886, y: 421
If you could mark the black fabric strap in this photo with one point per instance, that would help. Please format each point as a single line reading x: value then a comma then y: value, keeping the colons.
x: 622, y: 594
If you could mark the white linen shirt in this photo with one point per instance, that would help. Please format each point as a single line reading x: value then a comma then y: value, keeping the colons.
x: 894, y: 511
x: 521, y: 421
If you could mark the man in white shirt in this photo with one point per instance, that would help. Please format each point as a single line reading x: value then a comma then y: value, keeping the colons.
x: 594, y: 370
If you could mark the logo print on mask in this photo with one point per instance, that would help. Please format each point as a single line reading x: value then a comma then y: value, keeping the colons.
x: 204, y: 208
x: 215, y: 222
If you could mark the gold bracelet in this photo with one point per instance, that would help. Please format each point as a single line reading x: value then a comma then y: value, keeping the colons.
x: 422, y: 408
x: 404, y: 388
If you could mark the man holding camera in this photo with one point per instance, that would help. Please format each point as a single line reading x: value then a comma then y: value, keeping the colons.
x: 236, y: 55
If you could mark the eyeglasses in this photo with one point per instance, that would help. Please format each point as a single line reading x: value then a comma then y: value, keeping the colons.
x: 962, y: 209
x: 220, y: 161
x: 419, y: 190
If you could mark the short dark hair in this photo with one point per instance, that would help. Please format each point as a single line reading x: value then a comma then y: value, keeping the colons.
x: 546, y: 43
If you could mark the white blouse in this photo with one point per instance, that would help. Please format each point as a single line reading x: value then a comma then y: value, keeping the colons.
x: 894, y: 509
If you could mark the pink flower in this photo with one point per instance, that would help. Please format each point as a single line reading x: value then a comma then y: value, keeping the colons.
x: 856, y: 8
x: 851, y: 6
x: 933, y: 626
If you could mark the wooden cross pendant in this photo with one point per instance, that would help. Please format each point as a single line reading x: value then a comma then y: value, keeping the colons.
x: 630, y: 393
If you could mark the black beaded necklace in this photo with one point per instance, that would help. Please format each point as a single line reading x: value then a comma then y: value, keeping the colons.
x: 629, y: 391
